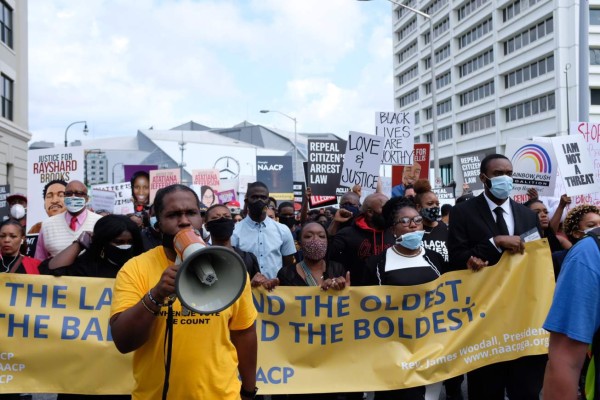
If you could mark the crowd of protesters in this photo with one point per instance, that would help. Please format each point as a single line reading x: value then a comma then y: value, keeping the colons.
x: 406, y: 240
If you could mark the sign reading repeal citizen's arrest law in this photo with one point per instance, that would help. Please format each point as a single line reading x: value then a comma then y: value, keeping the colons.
x: 325, y: 159
x: 576, y: 168
x: 362, y: 160
x: 396, y: 129
x: 46, y: 165
x: 469, y: 165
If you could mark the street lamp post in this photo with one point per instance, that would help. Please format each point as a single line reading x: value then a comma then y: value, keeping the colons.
x: 434, y: 133
x: 294, y: 154
x: 85, y: 129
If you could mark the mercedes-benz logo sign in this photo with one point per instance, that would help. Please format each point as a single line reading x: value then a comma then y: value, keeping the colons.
x: 229, y: 168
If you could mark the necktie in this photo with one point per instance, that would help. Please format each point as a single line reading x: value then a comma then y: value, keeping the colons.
x: 500, y: 222
x: 73, y: 224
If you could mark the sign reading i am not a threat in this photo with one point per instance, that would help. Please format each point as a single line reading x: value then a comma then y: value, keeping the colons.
x: 362, y: 160
x: 575, y: 164
x: 397, y: 131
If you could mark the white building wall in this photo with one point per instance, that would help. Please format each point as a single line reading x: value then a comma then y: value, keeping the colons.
x: 562, y: 43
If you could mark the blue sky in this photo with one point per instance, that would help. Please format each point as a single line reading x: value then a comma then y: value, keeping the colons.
x: 125, y: 65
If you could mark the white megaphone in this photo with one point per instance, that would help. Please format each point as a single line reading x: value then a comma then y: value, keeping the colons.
x: 210, y: 278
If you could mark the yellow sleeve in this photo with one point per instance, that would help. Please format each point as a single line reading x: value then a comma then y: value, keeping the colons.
x: 244, y: 312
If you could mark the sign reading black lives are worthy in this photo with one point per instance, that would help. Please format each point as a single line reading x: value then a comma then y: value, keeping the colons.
x: 325, y: 160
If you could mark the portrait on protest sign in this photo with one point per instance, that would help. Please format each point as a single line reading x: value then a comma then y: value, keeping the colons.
x: 397, y: 131
x: 418, y: 168
x: 46, y: 165
x: 206, y: 183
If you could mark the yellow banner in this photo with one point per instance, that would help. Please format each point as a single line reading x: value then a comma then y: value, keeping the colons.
x: 54, y: 335
x: 395, y: 337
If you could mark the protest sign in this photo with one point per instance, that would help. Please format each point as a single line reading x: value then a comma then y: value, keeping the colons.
x: 325, y: 159
x: 419, y: 168
x: 4, y: 209
x: 397, y: 131
x: 576, y: 167
x: 123, y: 204
x: 591, y: 134
x: 129, y: 170
x: 226, y: 196
x: 277, y: 173
x: 45, y: 165
x: 307, y: 338
x: 324, y: 201
x: 206, y: 183
x: 362, y: 161
x: 470, y: 164
x: 161, y: 178
x: 103, y: 200
x: 444, y: 195
x: 534, y: 166
x: 299, y: 191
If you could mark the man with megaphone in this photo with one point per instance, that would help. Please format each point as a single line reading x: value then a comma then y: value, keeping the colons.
x: 181, y: 354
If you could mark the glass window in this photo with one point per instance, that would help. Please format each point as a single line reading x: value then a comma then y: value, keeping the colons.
x: 595, y: 95
x: 551, y: 104
x: 594, y: 16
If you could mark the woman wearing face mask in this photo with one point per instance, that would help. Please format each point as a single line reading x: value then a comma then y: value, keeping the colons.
x: 428, y: 206
x: 12, y: 237
x: 406, y: 263
x: 114, y: 241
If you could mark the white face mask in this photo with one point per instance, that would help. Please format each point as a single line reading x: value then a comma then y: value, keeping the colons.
x: 124, y: 246
x: 74, y: 204
x: 17, y: 211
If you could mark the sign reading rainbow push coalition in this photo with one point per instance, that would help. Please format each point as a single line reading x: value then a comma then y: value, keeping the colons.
x: 309, y: 340
x: 534, y: 166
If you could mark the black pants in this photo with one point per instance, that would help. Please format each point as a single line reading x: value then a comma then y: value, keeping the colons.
x: 416, y: 393
x: 522, y: 379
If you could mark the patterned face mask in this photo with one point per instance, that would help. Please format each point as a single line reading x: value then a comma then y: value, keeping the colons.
x: 431, y: 214
x: 314, y: 249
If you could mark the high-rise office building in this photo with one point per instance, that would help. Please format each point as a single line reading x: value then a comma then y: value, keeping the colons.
x: 501, y: 69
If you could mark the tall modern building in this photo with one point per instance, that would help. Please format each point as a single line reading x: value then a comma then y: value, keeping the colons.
x: 500, y: 71
x: 14, y: 122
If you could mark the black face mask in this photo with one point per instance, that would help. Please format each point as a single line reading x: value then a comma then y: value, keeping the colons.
x: 116, y: 255
x: 378, y: 222
x: 167, y: 241
x: 287, y: 220
x: 355, y: 210
x: 256, y: 209
x: 220, y: 229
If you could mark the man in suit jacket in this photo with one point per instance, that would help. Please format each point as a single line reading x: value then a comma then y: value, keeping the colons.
x: 481, y: 230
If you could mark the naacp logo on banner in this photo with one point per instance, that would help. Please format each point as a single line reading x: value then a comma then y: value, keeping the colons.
x: 532, y: 157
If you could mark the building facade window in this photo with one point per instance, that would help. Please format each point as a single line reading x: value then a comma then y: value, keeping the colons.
x: 444, y: 107
x: 428, y: 114
x: 6, y: 24
x: 476, y: 63
x: 530, y: 107
x: 516, y: 7
x: 441, y: 28
x: 478, y: 124
x: 594, y: 56
x: 401, y: 10
x: 426, y: 63
x: 445, y: 133
x: 443, y: 80
x: 468, y: 8
x: 427, y: 137
x: 7, y: 97
x: 407, y: 29
x: 594, y: 16
x: 595, y: 96
x: 407, y: 52
x: 528, y: 72
x: 408, y: 98
x: 478, y: 93
x: 408, y: 74
x: 427, y: 87
x: 476, y: 33
x: 442, y: 53
x: 435, y: 6
x: 417, y: 117
x: 524, y: 38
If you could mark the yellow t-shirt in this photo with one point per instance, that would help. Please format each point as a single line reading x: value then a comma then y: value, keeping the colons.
x: 204, y: 361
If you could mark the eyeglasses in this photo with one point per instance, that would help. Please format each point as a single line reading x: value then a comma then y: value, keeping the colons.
x: 405, y: 221
x: 75, y: 193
